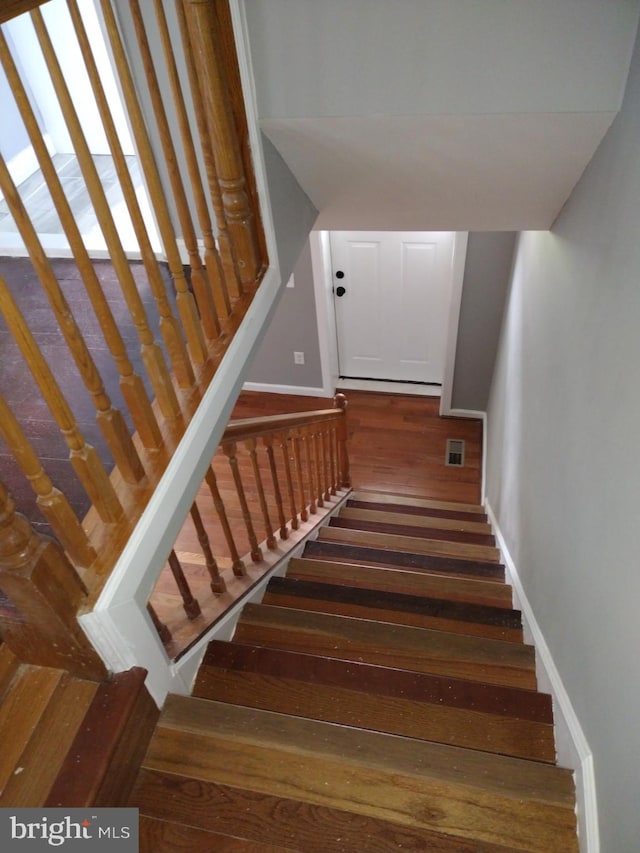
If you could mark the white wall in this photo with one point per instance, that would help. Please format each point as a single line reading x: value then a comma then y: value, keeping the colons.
x: 563, y: 470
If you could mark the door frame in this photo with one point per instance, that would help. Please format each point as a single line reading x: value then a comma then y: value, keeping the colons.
x: 325, y: 310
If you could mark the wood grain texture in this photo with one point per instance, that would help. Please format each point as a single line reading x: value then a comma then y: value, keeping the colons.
x: 397, y: 516
x: 437, y: 652
x: 161, y: 836
x: 331, y: 547
x: 414, y: 784
x: 394, y: 715
x: 308, y: 827
x: 398, y: 579
x: 399, y: 608
x: 102, y: 762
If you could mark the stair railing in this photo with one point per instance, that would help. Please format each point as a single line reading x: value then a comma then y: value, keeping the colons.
x: 269, y: 484
x: 185, y: 312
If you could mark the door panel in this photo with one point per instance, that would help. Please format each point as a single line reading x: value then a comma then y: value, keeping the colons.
x: 391, y: 321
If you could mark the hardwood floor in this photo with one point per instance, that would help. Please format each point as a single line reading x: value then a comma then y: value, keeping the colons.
x: 397, y: 442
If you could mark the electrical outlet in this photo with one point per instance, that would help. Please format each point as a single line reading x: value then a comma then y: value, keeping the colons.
x: 298, y: 358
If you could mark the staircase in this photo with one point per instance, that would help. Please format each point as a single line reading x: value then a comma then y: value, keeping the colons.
x: 379, y: 698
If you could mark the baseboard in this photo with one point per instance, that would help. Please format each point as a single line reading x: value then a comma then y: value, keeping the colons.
x: 573, y: 751
x: 296, y: 390
x: 415, y: 389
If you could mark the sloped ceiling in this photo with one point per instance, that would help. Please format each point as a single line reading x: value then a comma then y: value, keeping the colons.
x: 439, y: 114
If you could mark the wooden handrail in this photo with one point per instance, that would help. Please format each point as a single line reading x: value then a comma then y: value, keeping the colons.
x: 244, y: 428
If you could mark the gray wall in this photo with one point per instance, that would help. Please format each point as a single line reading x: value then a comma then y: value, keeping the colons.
x: 14, y: 138
x: 563, y: 471
x: 293, y: 329
x: 486, y: 279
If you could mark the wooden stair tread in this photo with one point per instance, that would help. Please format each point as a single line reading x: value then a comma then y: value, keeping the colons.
x: 164, y: 836
x: 349, y: 552
x: 363, y: 575
x: 401, y: 608
x: 416, y: 511
x: 46, y: 751
x: 435, y: 787
x: 396, y: 528
x: 302, y: 826
x: 21, y: 711
x: 399, y: 499
x: 437, y: 652
x: 414, y: 544
x: 237, y: 679
x: 412, y: 520
x: 514, y: 702
x: 102, y: 762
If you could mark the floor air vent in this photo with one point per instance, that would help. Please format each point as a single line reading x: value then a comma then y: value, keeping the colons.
x: 455, y: 452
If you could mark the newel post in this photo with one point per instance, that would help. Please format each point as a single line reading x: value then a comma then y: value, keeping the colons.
x: 206, y: 43
x: 340, y: 402
x: 40, y: 594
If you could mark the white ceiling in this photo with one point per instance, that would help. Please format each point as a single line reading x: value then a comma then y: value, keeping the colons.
x: 473, y: 172
x: 439, y: 114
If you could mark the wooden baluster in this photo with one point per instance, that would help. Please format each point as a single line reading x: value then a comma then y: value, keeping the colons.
x: 217, y: 581
x: 52, y: 503
x: 184, y: 297
x: 189, y: 603
x: 163, y: 631
x: 237, y: 565
x: 325, y: 463
x: 131, y: 385
x: 151, y: 352
x: 213, y: 264
x: 340, y: 402
x: 231, y: 280
x: 251, y: 445
x: 202, y: 289
x: 83, y: 457
x: 268, y: 443
x: 169, y: 326
x: 110, y: 420
x: 230, y: 451
x: 284, y: 446
x: 308, y: 442
x: 45, y: 593
x: 332, y: 454
x: 204, y: 37
x: 297, y: 450
x: 317, y: 452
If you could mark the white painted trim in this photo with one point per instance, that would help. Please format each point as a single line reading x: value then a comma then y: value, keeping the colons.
x: 325, y: 309
x: 295, y: 390
x: 389, y: 387
x: 573, y: 751
x: 458, y: 262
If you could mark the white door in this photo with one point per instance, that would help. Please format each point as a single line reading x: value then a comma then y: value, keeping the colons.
x: 392, y: 293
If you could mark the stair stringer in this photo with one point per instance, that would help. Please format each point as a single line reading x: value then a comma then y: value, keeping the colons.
x: 573, y: 750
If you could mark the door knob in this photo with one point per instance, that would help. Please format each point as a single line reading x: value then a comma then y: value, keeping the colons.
x: 339, y: 274
x: 340, y: 291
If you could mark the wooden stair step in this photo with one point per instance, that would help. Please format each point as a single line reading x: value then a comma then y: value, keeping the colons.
x: 102, y: 762
x: 397, y: 499
x: 396, y: 542
x: 22, y: 709
x: 408, y: 559
x: 395, y: 579
x: 416, y: 511
x: 397, y: 607
x: 397, y: 529
x: 303, y: 827
x: 398, y: 517
x: 519, y: 703
x: 364, y: 696
x: 46, y: 751
x: 403, y: 646
x: 164, y: 836
x: 418, y: 786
